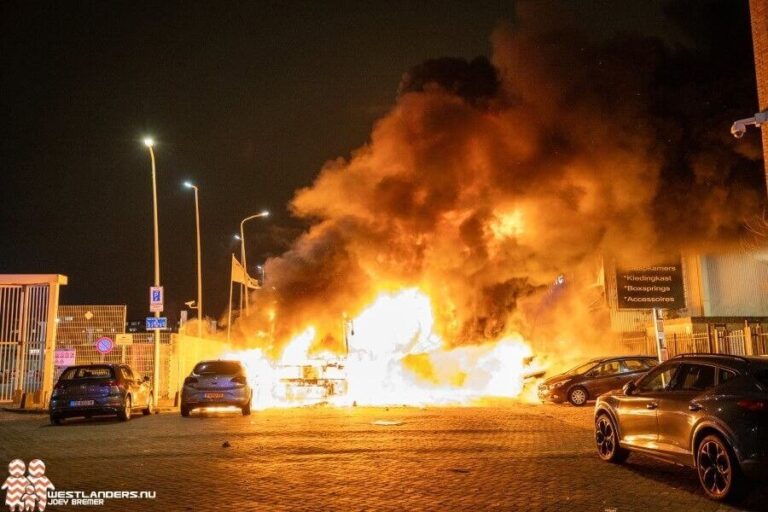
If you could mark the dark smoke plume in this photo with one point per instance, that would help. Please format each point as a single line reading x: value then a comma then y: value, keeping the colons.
x: 489, y: 178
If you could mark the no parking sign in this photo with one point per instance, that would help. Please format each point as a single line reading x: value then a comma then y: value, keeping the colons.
x: 105, y: 345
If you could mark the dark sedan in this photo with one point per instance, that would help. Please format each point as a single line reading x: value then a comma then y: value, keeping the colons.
x: 597, y: 376
x: 100, y: 389
x: 709, y: 412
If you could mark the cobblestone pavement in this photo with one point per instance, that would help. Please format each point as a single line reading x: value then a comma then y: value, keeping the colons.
x: 506, y: 456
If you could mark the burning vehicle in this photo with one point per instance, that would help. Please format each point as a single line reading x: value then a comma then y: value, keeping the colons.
x: 316, y: 380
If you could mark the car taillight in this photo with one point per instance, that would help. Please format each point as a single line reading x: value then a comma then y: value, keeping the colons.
x: 113, y: 385
x: 190, y: 380
x: 240, y: 379
x: 752, y: 405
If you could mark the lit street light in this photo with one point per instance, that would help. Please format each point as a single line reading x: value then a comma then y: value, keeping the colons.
x: 199, y: 264
x: 149, y: 143
x: 264, y: 213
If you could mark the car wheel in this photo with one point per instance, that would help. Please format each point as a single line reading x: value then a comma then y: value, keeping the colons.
x: 150, y: 408
x: 184, y: 410
x: 578, y: 396
x: 718, y: 469
x: 607, y: 440
x: 246, y: 409
x: 55, y: 420
x: 125, y: 414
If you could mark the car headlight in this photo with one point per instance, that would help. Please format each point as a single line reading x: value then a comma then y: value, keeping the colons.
x: 559, y: 384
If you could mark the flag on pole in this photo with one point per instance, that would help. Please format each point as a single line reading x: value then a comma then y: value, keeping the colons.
x: 239, y: 275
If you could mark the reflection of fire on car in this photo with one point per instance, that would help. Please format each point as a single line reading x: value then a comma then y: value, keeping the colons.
x: 597, y: 376
x: 313, y: 380
x: 216, y: 383
x: 705, y: 411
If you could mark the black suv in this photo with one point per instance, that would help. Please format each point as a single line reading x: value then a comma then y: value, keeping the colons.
x: 706, y: 411
x: 597, y: 376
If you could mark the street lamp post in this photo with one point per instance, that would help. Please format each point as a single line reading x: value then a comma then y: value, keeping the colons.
x: 199, y: 264
x: 156, y: 357
x: 264, y: 213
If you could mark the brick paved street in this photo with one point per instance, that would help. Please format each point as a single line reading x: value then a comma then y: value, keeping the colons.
x: 503, y: 457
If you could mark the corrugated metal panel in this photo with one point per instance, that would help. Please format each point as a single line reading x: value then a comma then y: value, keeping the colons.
x: 737, y: 285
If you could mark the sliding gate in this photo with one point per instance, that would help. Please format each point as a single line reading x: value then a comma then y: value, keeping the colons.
x: 28, y: 308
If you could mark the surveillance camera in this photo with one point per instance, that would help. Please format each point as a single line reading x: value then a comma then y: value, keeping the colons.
x: 738, y: 129
x: 190, y: 303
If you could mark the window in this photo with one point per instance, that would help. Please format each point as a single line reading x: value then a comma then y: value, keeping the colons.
x: 127, y: 373
x: 580, y: 370
x: 658, y: 379
x: 762, y: 377
x: 218, y: 368
x: 635, y: 365
x: 608, y: 369
x: 88, y: 372
x: 695, y: 377
x: 724, y: 375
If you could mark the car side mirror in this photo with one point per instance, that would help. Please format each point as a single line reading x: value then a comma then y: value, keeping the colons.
x: 629, y: 388
x: 591, y: 374
x: 145, y: 378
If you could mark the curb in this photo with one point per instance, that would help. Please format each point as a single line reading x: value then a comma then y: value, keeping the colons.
x: 25, y: 411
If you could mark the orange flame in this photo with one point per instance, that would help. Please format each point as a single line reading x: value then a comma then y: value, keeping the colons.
x: 394, y: 357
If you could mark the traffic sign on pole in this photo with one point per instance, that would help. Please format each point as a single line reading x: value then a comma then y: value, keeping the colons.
x: 159, y: 322
x: 105, y: 345
x: 156, y: 298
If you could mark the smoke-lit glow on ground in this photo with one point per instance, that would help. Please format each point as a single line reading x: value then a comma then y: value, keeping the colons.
x: 394, y: 358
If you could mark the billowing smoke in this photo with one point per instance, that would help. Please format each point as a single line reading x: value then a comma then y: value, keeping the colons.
x: 489, y: 178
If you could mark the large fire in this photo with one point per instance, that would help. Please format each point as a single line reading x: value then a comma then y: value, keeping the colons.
x: 443, y: 234
x: 393, y: 357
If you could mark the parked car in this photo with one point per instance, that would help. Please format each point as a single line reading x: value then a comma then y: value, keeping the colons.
x: 593, y: 378
x: 216, y: 383
x: 100, y: 389
x: 709, y: 412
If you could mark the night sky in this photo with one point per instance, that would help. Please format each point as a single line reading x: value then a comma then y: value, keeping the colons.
x: 246, y: 99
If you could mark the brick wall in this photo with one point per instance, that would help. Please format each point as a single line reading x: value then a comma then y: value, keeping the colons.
x: 759, y: 16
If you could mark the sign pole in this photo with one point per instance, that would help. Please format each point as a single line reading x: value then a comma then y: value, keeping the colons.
x: 658, y: 329
x: 229, y: 320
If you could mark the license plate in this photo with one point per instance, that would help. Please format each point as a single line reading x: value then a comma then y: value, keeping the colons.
x: 81, y: 403
x: 211, y: 396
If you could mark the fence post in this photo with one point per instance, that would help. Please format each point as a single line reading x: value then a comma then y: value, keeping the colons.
x: 749, y: 348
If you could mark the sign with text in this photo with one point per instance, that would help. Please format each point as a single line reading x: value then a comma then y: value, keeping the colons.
x: 64, y: 357
x: 660, y: 286
x: 124, y: 339
x: 156, y: 323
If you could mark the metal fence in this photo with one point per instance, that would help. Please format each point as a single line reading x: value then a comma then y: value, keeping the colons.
x: 733, y: 342
x: 22, y: 339
x: 27, y: 333
x: 139, y: 354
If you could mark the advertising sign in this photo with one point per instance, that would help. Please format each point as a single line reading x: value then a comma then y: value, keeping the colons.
x: 660, y: 286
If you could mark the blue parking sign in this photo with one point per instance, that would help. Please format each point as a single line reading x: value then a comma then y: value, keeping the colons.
x: 156, y: 299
